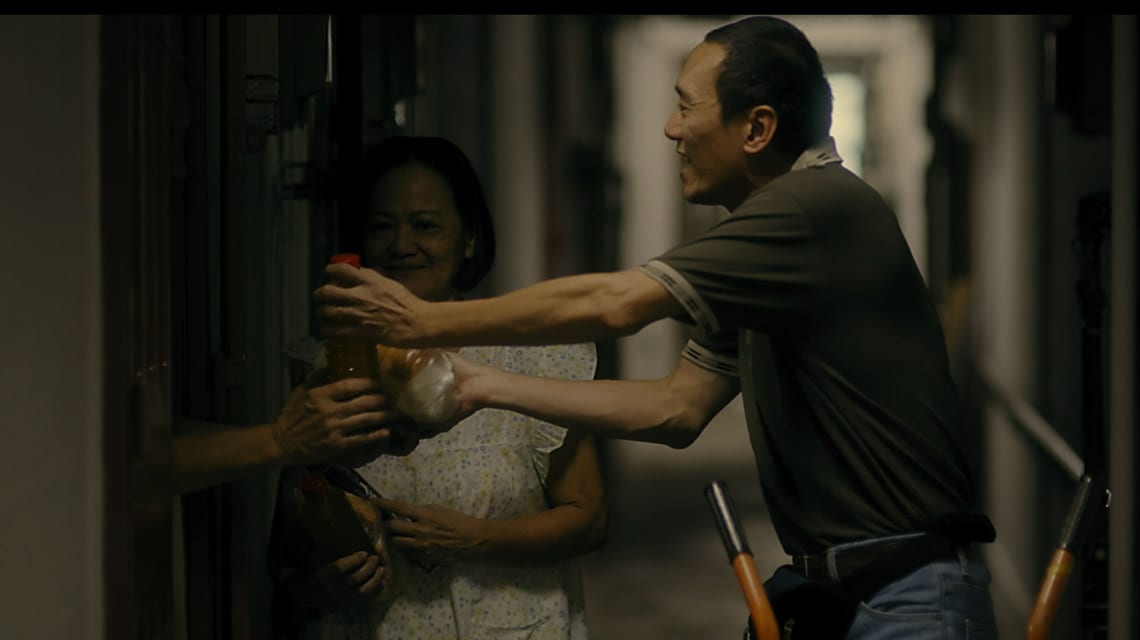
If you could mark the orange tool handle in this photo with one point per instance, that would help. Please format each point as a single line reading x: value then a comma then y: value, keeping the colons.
x: 736, y: 546
x: 762, y: 617
x: 1056, y: 575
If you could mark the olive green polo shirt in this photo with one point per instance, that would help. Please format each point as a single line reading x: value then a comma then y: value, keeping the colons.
x: 809, y: 293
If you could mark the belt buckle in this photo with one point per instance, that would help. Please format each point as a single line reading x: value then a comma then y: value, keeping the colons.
x: 809, y: 566
x: 800, y: 564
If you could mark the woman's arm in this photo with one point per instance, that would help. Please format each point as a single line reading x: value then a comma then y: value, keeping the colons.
x: 673, y: 410
x: 574, y: 524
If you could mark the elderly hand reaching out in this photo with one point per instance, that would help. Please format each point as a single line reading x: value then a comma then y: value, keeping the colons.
x: 346, y: 421
x: 361, y: 303
x: 333, y: 420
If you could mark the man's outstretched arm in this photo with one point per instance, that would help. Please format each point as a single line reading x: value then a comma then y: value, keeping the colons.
x: 580, y: 308
x: 673, y: 410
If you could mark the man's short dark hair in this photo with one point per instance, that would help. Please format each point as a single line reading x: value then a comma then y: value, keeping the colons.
x: 452, y: 164
x: 769, y: 61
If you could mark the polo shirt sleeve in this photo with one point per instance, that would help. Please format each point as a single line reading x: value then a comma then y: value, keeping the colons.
x: 716, y: 352
x: 757, y: 269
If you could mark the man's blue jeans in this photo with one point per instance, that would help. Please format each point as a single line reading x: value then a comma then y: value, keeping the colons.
x: 942, y: 600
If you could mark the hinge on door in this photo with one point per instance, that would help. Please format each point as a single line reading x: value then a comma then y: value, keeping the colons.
x: 228, y: 375
x: 229, y: 372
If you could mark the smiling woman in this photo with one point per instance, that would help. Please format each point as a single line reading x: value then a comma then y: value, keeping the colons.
x: 492, y: 513
x: 427, y: 224
x: 414, y: 232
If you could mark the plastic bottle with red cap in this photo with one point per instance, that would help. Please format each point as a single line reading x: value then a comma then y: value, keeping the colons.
x: 419, y: 380
x: 347, y: 357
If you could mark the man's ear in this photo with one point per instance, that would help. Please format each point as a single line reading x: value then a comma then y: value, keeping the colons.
x: 762, y: 122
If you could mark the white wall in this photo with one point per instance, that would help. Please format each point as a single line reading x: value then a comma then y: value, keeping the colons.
x: 50, y: 329
x: 1006, y: 172
x: 996, y: 91
x: 518, y: 178
x: 648, y: 54
x: 897, y: 51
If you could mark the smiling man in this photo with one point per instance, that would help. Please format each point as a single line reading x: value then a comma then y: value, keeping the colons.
x: 808, y: 302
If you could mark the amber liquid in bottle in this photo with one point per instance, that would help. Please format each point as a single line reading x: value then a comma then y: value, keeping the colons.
x: 349, y: 358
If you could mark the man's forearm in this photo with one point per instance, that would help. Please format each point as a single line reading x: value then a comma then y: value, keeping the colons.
x: 581, y: 308
x: 644, y: 410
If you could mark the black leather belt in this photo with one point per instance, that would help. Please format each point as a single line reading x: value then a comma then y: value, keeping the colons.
x: 887, y: 556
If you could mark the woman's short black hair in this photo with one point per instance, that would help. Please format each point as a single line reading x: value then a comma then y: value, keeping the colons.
x: 769, y: 61
x: 452, y: 164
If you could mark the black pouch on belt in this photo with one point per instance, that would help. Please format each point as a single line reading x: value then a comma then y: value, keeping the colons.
x: 808, y: 608
x: 822, y: 609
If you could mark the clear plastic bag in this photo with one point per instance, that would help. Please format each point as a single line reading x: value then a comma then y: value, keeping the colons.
x: 421, y: 381
x: 309, y: 533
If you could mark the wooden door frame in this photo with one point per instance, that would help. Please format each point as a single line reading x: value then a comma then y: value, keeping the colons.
x: 134, y: 218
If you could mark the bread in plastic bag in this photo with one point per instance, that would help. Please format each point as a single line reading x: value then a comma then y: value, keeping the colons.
x: 421, y: 381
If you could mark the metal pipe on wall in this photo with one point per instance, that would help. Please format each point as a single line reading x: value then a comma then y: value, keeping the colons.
x: 1007, y: 203
x: 517, y: 180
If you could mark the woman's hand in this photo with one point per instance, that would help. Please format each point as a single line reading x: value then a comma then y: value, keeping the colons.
x: 432, y: 534
x: 356, y: 580
x: 360, y: 303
